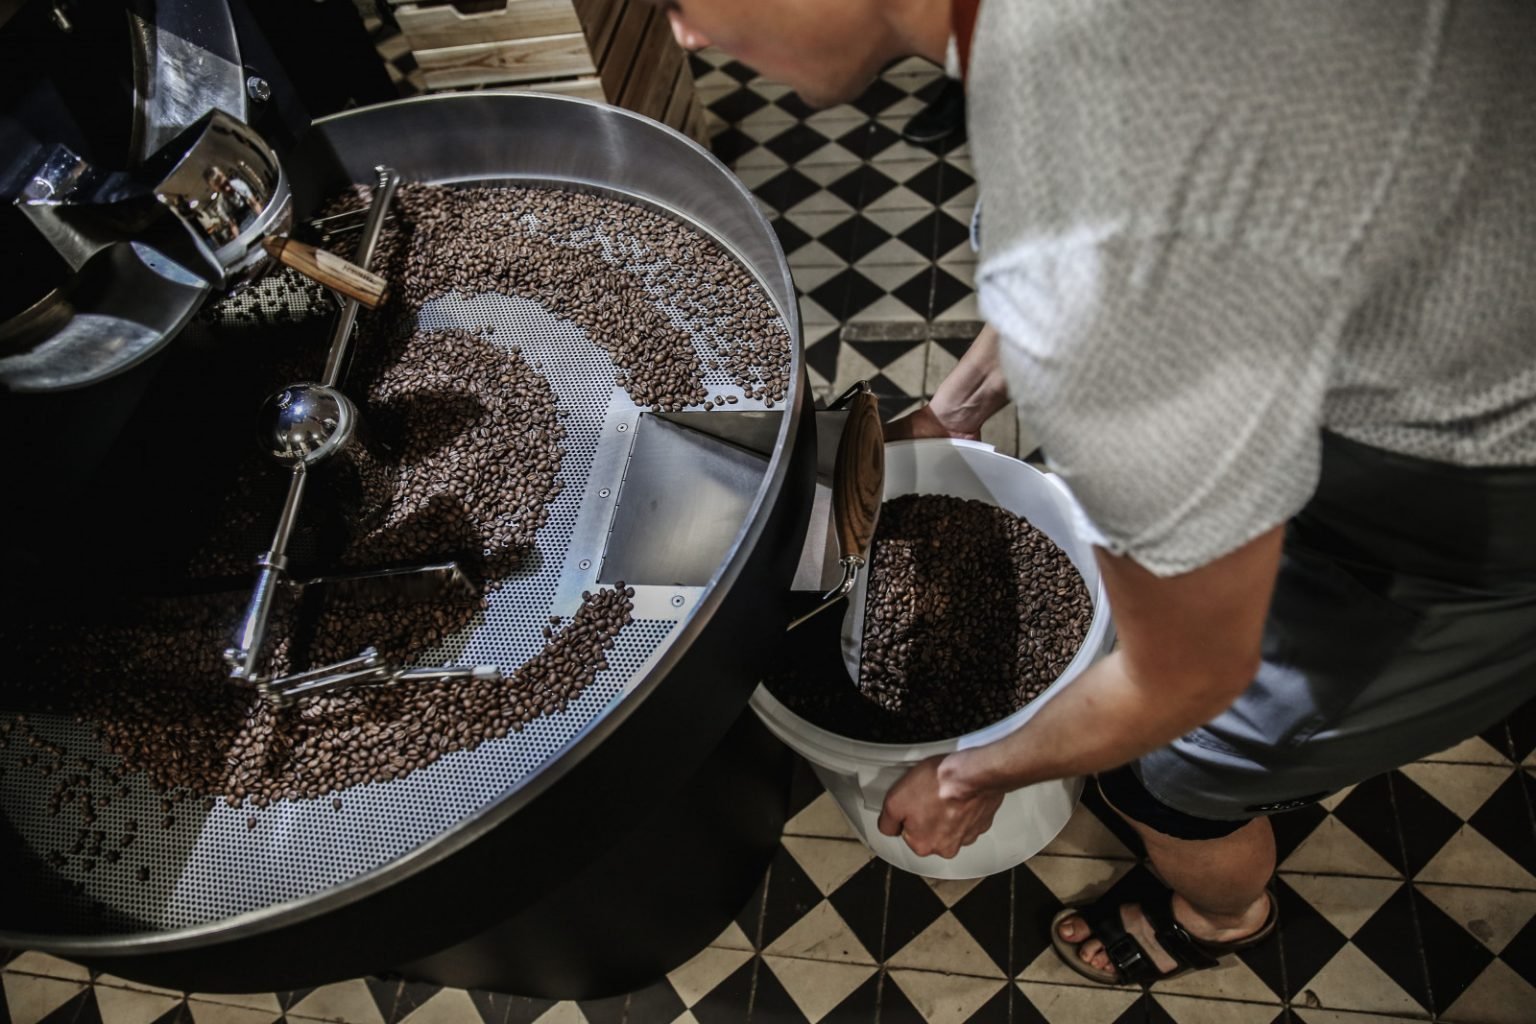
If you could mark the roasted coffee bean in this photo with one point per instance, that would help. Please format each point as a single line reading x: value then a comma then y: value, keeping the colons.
x: 970, y: 613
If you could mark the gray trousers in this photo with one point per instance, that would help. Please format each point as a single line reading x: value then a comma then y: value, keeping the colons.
x: 1403, y: 621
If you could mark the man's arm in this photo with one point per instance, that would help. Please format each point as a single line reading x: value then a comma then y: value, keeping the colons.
x: 1189, y: 645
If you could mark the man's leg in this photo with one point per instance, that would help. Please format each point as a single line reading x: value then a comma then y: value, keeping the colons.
x: 1219, y: 889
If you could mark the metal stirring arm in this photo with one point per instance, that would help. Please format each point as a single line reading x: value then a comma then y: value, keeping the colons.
x: 243, y: 657
x: 367, y: 669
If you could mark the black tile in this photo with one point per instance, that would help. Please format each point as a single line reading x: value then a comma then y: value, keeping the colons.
x: 861, y: 1006
x: 1520, y: 953
x: 853, y: 238
x: 737, y: 104
x: 412, y: 994
x: 1367, y: 812
x: 728, y: 1002
x: 739, y: 71
x: 1033, y: 907
x: 494, y: 1007
x: 613, y: 1010
x: 771, y: 1004
x: 1308, y: 940
x: 786, y: 189
x: 1293, y: 827
x: 791, y: 237
x: 911, y: 908
x: 79, y: 1009
x: 884, y: 353
x: 822, y: 356
x: 926, y: 183
x: 1451, y: 955
x: 1267, y: 961
x: 922, y: 235
x: 1522, y: 731
x: 791, y: 895
x: 750, y: 918
x: 1392, y: 940
x: 952, y: 181
x: 1498, y: 737
x: 791, y: 103
x: 1426, y: 822
x: 868, y: 140
x: 987, y: 913
x: 796, y: 142
x: 930, y: 91
x: 862, y: 293
x: 947, y: 290
x: 699, y: 66
x: 1505, y: 820
x: 292, y: 996
x: 917, y: 291
x: 385, y: 992
x: 860, y: 902
x: 832, y: 294
x: 880, y: 95
x: 950, y: 232
x: 731, y: 144
x: 995, y: 1010
x: 526, y: 1009
x: 658, y: 1003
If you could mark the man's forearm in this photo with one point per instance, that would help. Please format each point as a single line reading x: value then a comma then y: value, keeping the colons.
x: 1102, y: 720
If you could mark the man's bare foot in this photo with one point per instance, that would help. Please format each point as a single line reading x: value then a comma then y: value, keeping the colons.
x: 923, y: 423
x: 1091, y: 951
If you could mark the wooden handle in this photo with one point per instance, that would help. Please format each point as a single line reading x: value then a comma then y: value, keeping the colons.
x: 330, y: 270
x: 858, y: 483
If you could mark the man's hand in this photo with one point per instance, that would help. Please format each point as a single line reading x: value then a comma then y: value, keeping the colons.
x: 935, y: 813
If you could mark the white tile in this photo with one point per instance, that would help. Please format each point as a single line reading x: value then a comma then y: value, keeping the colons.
x: 699, y: 976
x: 249, y: 1000
x: 1352, y: 981
x: 817, y: 986
x: 812, y: 313
x: 348, y: 1001
x: 946, y: 946
x: 887, y: 309
x: 31, y: 997
x: 899, y: 198
x: 821, y: 817
x: 809, y: 277
x: 1497, y: 996
x: 1085, y: 835
x: 48, y: 966
x: 821, y: 934
x: 1469, y: 858
x: 1188, y: 1010
x: 895, y: 220
x: 831, y: 153
x: 951, y: 890
x: 890, y: 276
x: 1308, y: 1015
x: 828, y: 862
x: 565, y: 1012
x: 1347, y: 901
x: 1232, y: 980
x: 1473, y: 750
x: 1462, y: 787
x: 1076, y: 879
x: 822, y: 201
x: 894, y: 252
x: 733, y: 938
x: 137, y: 1006
x: 1333, y: 849
x: 1079, y: 1004
x: 220, y: 1013
x: 944, y: 998
x: 964, y: 309
x: 1494, y: 916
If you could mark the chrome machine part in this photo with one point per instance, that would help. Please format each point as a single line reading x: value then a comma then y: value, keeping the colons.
x: 306, y: 423
x: 678, y: 675
x: 150, y: 243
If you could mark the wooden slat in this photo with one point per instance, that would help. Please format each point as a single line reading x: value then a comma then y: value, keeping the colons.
x: 517, y: 60
x: 587, y: 88
x: 614, y: 65
x: 599, y: 19
x: 653, y: 71
x: 676, y: 113
x: 429, y: 26
x: 696, y: 127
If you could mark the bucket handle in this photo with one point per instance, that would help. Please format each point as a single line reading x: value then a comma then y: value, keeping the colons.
x: 858, y: 486
x: 872, y: 780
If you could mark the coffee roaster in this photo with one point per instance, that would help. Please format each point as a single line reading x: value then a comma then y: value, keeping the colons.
x: 583, y: 855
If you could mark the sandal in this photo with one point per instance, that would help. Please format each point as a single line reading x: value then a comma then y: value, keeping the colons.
x: 1132, y: 963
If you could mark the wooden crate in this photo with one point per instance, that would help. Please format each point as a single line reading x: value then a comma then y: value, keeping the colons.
x: 621, y: 51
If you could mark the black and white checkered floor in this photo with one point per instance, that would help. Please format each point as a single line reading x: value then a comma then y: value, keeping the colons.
x: 1410, y: 897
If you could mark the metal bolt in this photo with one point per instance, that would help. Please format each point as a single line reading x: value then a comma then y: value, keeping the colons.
x: 677, y: 600
x: 585, y: 563
x: 603, y: 493
x: 258, y: 88
x: 623, y: 427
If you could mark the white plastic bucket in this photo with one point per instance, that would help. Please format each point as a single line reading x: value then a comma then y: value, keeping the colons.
x: 858, y: 773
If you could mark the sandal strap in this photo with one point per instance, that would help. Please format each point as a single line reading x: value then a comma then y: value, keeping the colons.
x: 1173, y: 937
x: 1128, y: 956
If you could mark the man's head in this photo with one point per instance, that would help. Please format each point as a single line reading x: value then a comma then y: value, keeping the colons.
x: 826, y: 50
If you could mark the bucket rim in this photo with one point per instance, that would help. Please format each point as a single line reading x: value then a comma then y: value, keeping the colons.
x: 1099, y: 635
